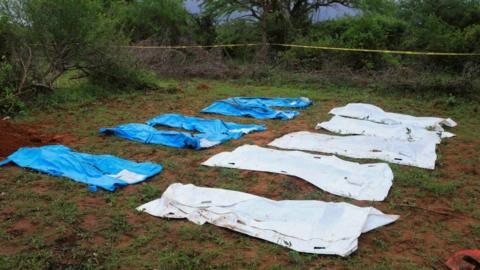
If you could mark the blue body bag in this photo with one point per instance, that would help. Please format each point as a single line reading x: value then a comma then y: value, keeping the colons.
x: 258, y: 107
x: 104, y: 171
x: 212, y: 131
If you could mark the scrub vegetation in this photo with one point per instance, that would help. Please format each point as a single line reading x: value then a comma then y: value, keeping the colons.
x: 68, y: 68
x: 44, y: 41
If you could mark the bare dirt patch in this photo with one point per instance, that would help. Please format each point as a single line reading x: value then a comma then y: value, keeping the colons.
x: 16, y: 135
x: 90, y: 222
x: 20, y: 227
x: 458, y: 157
x: 203, y: 86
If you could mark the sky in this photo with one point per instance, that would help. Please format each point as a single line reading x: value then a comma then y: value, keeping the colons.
x: 326, y: 13
x: 192, y: 6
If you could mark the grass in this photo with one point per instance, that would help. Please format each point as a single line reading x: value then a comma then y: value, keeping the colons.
x: 53, y: 223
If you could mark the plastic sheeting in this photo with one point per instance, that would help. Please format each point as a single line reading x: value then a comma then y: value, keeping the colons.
x: 305, y: 226
x: 258, y: 107
x: 213, y: 131
x: 350, y: 126
x: 203, y: 125
x: 104, y: 171
x: 375, y: 114
x: 339, y: 177
x: 420, y: 154
x: 149, y: 135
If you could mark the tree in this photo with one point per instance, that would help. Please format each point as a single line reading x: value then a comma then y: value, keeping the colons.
x: 456, y: 13
x: 155, y: 19
x: 294, y: 12
x: 203, y: 28
x: 46, y: 38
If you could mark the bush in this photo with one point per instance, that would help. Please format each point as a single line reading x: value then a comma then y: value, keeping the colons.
x: 10, y: 103
x: 441, y: 25
x: 472, y: 38
x: 369, y: 32
x: 373, y: 32
x: 418, y: 25
x: 44, y: 39
x: 456, y: 13
x: 239, y: 32
x: 73, y: 34
x: 153, y: 19
x: 115, y: 73
x: 203, y: 30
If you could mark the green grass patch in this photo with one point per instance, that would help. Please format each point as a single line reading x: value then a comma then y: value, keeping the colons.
x: 122, y: 237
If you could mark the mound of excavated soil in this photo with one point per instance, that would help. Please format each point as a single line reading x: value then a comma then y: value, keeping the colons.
x: 14, y: 136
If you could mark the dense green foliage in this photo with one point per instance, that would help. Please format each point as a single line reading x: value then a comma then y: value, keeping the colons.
x: 438, y: 26
x: 278, y: 20
x: 419, y: 25
x: 147, y: 19
x: 9, y: 102
x: 42, y: 40
x: 373, y: 32
x: 238, y: 32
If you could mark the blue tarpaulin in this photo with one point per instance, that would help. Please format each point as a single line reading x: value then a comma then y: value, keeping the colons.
x: 146, y: 134
x: 104, y: 171
x: 212, y: 131
x: 258, y: 107
x: 203, y: 125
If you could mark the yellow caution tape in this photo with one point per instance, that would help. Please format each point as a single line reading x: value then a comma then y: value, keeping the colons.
x: 306, y: 47
x: 377, y: 51
x: 193, y: 46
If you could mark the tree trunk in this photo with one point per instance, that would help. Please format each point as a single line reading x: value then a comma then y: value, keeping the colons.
x: 264, y: 49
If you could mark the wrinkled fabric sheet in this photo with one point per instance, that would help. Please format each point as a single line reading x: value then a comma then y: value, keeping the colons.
x: 305, y: 226
x: 213, y: 131
x: 104, y: 171
x: 375, y: 114
x: 204, y: 125
x: 350, y: 126
x: 149, y: 135
x: 259, y: 108
x: 419, y: 154
x: 329, y: 173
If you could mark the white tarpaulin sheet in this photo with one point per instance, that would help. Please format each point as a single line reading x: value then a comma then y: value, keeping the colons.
x: 420, y: 154
x: 350, y: 126
x: 376, y: 114
x: 339, y: 177
x: 305, y: 226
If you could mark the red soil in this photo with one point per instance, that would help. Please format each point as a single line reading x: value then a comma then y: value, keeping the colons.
x: 203, y: 86
x: 14, y: 136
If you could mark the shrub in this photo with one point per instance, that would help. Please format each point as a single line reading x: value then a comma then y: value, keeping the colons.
x: 472, y: 38
x: 373, y: 32
x: 115, y: 73
x: 369, y: 32
x: 151, y: 19
x: 203, y: 29
x: 238, y: 32
x: 440, y: 25
x: 10, y: 103
x: 44, y: 39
